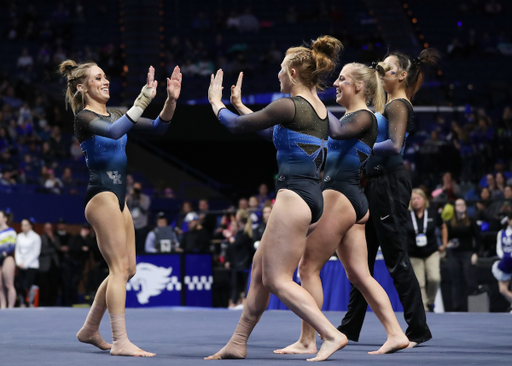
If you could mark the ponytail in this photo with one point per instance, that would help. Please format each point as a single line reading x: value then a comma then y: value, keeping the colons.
x: 370, y: 77
x: 75, y: 74
x: 414, y: 68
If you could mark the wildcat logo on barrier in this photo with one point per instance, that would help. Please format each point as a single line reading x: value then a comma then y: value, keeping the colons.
x: 151, y: 280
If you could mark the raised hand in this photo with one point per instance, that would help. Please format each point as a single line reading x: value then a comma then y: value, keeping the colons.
x: 236, y: 91
x: 174, y: 84
x: 151, y: 82
x: 215, y: 89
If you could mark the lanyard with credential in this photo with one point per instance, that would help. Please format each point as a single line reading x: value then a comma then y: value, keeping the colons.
x: 421, y: 239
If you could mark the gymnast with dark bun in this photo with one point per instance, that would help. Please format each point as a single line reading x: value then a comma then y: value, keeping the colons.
x: 101, y: 132
x: 342, y: 225
x: 299, y: 127
x: 388, y: 189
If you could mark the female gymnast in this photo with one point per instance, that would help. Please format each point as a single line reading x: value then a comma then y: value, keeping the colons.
x: 342, y: 225
x: 7, y: 264
x: 388, y: 190
x: 101, y: 132
x: 299, y: 128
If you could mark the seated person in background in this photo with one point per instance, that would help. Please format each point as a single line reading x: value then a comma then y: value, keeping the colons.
x: 448, y: 191
x: 502, y: 269
x: 53, y: 184
x: 162, y: 239
x: 493, y: 187
x: 197, y: 238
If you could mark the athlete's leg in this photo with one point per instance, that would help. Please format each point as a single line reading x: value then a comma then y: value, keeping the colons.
x: 337, y: 218
x: 353, y: 254
x: 8, y: 270
x: 280, y: 258
x: 504, y: 290
x: 103, y: 214
x: 255, y: 304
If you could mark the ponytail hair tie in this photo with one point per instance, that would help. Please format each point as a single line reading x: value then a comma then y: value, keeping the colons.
x: 70, y: 67
x: 417, y: 61
x: 376, y: 67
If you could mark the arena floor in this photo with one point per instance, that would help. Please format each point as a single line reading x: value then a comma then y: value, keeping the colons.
x: 183, y: 336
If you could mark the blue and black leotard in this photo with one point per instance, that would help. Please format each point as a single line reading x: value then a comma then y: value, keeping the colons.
x: 103, y: 140
x: 299, y: 136
x: 395, y: 124
x: 349, y: 147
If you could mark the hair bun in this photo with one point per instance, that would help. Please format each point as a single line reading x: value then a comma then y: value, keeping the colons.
x: 327, y: 45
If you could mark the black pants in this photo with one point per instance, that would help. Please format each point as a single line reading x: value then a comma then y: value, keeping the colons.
x: 238, y: 283
x: 49, y: 284
x: 140, y: 240
x: 26, y: 280
x: 71, y: 275
x: 388, y: 197
x: 462, y: 278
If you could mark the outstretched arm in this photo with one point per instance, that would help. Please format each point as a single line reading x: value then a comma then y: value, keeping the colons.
x: 279, y: 111
x: 88, y: 122
x: 236, y: 100
x: 351, y: 126
x: 398, y: 115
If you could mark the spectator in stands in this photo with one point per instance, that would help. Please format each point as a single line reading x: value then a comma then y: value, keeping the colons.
x: 493, y: 187
x: 49, y: 267
x: 243, y: 204
x: 233, y: 20
x: 74, y: 262
x: 7, y: 264
x: 461, y: 241
x: 258, y: 232
x: 180, y: 223
x: 423, y: 249
x: 493, y: 7
x: 28, y: 248
x: 448, y: 190
x: 254, y: 211
x: 57, y: 145
x: 52, y: 183
x: 63, y: 235
x: 197, y: 238
x: 208, y: 220
x: 6, y: 178
x: 138, y: 203
x: 161, y: 239
x: 264, y: 194
x: 47, y: 154
x: 239, y: 256
x: 249, y: 22
x: 75, y: 149
x: 501, y: 181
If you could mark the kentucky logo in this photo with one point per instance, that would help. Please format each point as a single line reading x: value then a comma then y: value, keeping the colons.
x: 115, y: 176
x: 150, y: 280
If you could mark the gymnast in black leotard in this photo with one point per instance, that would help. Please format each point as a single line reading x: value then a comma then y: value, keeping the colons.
x: 299, y: 127
x: 341, y: 227
x: 388, y: 190
x: 102, y: 136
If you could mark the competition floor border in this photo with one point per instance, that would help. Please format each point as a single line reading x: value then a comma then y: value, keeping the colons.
x: 183, y: 336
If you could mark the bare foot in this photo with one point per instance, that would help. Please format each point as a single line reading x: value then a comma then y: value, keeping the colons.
x: 94, y: 338
x: 329, y: 347
x: 297, y: 348
x: 232, y: 350
x: 127, y: 348
x: 393, y: 344
x: 412, y: 344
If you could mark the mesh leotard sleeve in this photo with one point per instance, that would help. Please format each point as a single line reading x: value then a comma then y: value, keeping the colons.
x: 88, y: 123
x: 156, y: 125
x: 360, y: 124
x: 277, y: 112
x: 397, y: 114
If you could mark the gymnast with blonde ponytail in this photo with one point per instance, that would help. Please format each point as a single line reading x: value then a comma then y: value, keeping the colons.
x: 101, y: 132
